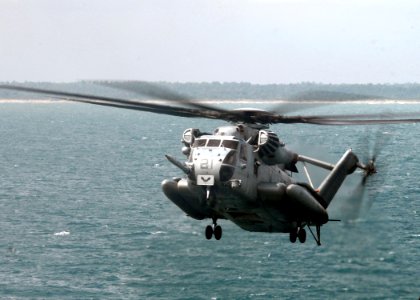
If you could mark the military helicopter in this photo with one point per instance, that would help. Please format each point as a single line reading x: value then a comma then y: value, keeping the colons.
x: 242, y: 171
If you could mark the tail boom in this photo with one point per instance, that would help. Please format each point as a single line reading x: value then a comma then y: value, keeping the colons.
x: 345, y: 166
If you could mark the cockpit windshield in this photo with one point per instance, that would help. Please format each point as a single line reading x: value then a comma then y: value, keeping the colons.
x: 213, y: 143
x: 231, y: 144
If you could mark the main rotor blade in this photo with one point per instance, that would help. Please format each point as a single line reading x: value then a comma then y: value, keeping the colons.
x: 120, y: 103
x: 204, y: 111
x: 363, y: 119
x: 157, y: 92
x: 266, y: 117
x: 316, y: 98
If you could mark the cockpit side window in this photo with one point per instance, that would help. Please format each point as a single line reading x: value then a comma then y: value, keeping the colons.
x: 230, y: 144
x: 230, y: 158
x: 199, y: 143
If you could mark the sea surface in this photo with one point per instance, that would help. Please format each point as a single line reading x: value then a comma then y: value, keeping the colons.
x: 82, y: 215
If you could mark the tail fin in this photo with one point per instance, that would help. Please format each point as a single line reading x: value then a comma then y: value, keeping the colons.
x: 346, y: 165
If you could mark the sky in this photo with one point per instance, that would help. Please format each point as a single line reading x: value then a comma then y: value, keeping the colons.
x: 257, y: 41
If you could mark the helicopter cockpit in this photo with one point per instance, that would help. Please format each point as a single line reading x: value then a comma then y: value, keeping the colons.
x: 214, y: 157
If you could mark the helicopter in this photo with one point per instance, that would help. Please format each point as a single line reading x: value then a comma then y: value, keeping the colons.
x: 242, y: 171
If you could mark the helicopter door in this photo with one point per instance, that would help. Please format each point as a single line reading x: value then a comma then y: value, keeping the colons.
x: 244, y: 155
x: 243, y: 163
x: 246, y: 171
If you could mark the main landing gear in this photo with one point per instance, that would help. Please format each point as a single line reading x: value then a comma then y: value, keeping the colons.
x: 299, y: 233
x: 317, y: 238
x: 215, y: 230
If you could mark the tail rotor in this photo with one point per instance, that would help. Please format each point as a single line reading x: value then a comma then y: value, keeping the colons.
x: 357, y: 201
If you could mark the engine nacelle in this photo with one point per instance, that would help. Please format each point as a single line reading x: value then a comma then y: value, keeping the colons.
x: 188, y: 138
x: 272, y: 151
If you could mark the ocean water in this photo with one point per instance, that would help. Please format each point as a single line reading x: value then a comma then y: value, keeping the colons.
x: 82, y: 215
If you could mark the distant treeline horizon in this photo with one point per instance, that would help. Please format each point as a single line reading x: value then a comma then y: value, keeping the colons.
x: 229, y: 90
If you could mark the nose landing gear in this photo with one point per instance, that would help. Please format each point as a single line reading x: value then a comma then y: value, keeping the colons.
x: 215, y: 230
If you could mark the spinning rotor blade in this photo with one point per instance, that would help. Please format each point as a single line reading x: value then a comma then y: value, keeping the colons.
x: 156, y: 92
x: 316, y: 98
x: 356, y: 119
x: 198, y: 110
x: 122, y: 103
x: 351, y: 206
x: 358, y: 200
x: 379, y: 141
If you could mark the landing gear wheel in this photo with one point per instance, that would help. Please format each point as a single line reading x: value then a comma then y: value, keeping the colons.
x: 217, y: 232
x: 209, y: 232
x: 293, y: 236
x: 302, y: 235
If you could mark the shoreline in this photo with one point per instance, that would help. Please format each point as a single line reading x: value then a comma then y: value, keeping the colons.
x: 232, y: 101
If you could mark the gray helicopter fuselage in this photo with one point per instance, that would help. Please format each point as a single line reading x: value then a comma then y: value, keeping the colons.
x: 243, y: 174
x: 226, y: 172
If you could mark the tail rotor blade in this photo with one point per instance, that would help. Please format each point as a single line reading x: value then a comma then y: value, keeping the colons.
x: 359, y: 201
x: 352, y: 206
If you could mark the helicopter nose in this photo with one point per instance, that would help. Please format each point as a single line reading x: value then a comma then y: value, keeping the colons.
x: 213, y: 165
x: 207, y: 168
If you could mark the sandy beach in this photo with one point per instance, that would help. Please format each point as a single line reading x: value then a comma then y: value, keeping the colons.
x: 234, y: 101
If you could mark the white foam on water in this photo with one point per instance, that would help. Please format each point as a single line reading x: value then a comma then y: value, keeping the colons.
x: 62, y: 233
x: 158, y: 232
